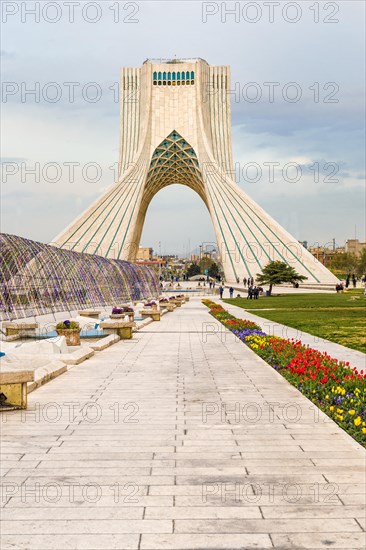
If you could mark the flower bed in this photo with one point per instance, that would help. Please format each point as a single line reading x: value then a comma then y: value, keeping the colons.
x: 336, y: 388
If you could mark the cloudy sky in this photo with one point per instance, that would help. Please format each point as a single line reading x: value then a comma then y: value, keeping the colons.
x: 313, y: 51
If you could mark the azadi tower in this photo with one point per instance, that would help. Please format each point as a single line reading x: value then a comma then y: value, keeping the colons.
x: 176, y: 128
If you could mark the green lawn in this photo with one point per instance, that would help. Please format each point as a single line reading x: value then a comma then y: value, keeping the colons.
x: 340, y: 318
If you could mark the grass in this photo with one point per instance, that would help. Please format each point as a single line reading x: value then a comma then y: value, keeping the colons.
x: 340, y: 318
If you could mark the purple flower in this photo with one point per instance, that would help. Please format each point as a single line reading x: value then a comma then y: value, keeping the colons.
x: 67, y: 323
x: 242, y: 334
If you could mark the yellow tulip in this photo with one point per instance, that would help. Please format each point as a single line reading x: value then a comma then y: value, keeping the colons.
x: 352, y: 412
x: 357, y: 421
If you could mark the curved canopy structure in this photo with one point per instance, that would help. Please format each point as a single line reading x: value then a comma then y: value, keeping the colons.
x: 37, y: 278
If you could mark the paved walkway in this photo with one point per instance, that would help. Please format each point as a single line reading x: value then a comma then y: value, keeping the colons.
x: 168, y: 441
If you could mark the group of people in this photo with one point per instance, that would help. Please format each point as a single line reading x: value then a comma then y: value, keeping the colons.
x: 347, y: 283
x: 249, y: 281
x: 349, y: 278
x: 253, y: 293
x: 231, y: 291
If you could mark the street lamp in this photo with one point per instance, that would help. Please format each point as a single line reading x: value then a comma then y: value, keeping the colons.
x: 159, y: 260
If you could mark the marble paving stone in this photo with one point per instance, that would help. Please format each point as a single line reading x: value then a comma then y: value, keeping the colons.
x: 150, y: 445
x: 278, y: 525
x: 76, y: 513
x: 315, y: 541
x: 98, y: 526
x: 76, y: 542
x: 110, y: 500
x: 203, y: 512
x: 206, y: 542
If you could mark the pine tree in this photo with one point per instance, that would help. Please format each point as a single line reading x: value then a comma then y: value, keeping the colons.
x: 276, y: 273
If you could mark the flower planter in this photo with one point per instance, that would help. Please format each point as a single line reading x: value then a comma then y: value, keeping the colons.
x: 120, y: 312
x: 72, y: 335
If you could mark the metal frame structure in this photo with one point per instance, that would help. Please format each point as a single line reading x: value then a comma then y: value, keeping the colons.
x: 36, y: 279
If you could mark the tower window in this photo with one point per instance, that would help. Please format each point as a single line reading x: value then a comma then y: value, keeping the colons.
x: 173, y: 79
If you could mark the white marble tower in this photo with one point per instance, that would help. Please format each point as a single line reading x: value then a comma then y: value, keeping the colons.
x: 175, y: 128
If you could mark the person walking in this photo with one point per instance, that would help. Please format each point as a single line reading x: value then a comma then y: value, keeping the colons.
x: 245, y: 282
x: 221, y: 290
x: 256, y: 293
x: 250, y: 293
x: 231, y: 292
x: 354, y: 281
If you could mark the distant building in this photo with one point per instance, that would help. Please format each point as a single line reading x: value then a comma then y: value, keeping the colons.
x: 353, y: 246
x: 324, y: 254
x: 144, y: 254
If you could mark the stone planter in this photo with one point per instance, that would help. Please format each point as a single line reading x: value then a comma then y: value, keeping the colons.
x: 122, y: 328
x: 18, y: 328
x: 72, y: 335
x: 93, y: 313
x: 13, y: 387
x: 153, y: 313
x: 130, y: 314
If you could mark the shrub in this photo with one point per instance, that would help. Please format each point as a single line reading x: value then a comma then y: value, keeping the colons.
x: 68, y: 325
